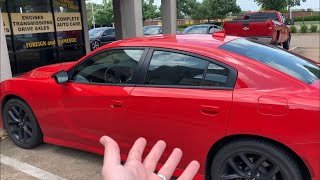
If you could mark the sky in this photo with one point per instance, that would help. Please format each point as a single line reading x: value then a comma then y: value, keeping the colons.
x: 250, y: 5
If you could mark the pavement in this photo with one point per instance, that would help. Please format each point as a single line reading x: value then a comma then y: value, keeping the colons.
x: 55, y: 162
x: 307, y: 45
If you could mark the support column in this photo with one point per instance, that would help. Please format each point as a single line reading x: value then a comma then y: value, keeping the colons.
x: 169, y: 16
x: 85, y: 26
x: 127, y: 18
x: 5, y: 68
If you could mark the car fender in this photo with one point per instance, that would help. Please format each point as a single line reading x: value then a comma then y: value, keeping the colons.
x: 32, y: 92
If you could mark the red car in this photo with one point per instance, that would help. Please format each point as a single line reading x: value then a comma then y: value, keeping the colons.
x: 242, y: 109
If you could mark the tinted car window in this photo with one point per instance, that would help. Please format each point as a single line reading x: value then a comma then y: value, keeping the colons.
x: 216, y: 76
x: 196, y: 30
x: 110, y: 32
x: 272, y: 16
x: 116, y: 67
x: 151, y: 30
x: 281, y: 60
x: 168, y: 68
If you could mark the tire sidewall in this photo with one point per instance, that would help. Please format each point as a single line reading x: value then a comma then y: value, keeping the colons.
x: 273, y: 155
x: 36, y: 131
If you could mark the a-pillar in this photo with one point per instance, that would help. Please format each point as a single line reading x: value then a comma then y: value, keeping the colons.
x: 127, y: 18
x: 169, y: 16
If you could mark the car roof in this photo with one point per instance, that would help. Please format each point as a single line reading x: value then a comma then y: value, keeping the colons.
x: 103, y: 28
x: 191, y: 40
x: 153, y: 26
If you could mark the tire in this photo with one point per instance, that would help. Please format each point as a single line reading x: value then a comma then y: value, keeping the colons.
x: 269, y: 157
x: 21, y: 124
x: 95, y: 45
x: 286, y: 45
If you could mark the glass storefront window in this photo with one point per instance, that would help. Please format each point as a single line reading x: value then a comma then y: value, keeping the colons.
x: 29, y: 6
x: 40, y: 34
x: 36, y: 58
x: 62, y: 6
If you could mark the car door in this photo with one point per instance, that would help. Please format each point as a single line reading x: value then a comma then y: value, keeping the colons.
x: 184, y: 99
x: 108, y: 36
x: 94, y: 101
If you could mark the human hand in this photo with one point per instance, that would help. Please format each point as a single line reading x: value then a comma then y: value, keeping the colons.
x: 135, y: 169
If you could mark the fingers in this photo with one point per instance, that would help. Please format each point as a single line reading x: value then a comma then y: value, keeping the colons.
x: 151, y: 161
x: 171, y: 164
x: 190, y: 171
x: 111, y: 151
x: 137, y: 150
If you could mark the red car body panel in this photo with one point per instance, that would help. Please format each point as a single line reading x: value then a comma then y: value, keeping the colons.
x: 265, y: 103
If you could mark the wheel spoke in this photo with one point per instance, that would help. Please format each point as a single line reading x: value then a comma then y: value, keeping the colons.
x: 236, y: 168
x: 258, y: 165
x: 20, y: 134
x: 24, y: 135
x: 246, y: 160
x: 17, y: 112
x: 27, y: 131
x: 231, y: 176
x: 28, y: 125
x: 273, y: 171
x: 14, y: 117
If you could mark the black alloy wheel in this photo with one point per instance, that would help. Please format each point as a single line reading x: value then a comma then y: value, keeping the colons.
x: 21, y: 124
x: 254, y: 160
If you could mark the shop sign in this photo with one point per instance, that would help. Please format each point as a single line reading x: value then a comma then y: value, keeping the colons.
x: 30, y: 23
x: 6, y: 25
x: 68, y: 21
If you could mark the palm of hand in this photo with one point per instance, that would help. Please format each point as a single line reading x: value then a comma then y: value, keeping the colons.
x: 135, y: 169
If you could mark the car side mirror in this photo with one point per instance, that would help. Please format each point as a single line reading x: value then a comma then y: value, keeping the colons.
x: 61, y: 77
x: 104, y: 35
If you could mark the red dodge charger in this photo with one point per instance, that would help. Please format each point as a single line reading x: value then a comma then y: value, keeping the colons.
x: 242, y: 109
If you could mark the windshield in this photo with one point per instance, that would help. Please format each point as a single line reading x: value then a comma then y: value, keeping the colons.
x: 95, y: 32
x: 281, y: 60
x: 272, y: 16
x: 151, y: 30
x: 196, y: 30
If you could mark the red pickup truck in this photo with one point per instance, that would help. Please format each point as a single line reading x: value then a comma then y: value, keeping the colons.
x: 267, y: 26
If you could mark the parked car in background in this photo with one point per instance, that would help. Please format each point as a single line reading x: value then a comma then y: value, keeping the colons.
x: 244, y: 110
x: 267, y: 27
x: 154, y: 30
x: 201, y: 29
x: 101, y: 36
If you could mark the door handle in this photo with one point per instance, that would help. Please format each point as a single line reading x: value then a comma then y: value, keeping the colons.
x: 210, y: 110
x: 116, y: 104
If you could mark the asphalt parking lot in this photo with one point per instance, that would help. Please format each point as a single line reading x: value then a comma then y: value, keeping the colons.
x: 54, y: 162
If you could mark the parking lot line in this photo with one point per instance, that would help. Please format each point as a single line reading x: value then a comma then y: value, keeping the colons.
x: 28, y: 169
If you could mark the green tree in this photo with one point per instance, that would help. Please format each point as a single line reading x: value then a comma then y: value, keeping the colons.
x: 104, y: 15
x: 186, y: 7
x: 278, y: 4
x: 216, y: 9
x: 150, y: 10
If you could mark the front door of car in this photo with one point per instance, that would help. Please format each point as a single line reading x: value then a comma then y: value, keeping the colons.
x: 184, y: 100
x: 108, y: 36
x: 95, y: 99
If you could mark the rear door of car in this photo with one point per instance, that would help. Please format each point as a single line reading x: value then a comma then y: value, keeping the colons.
x: 182, y: 98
